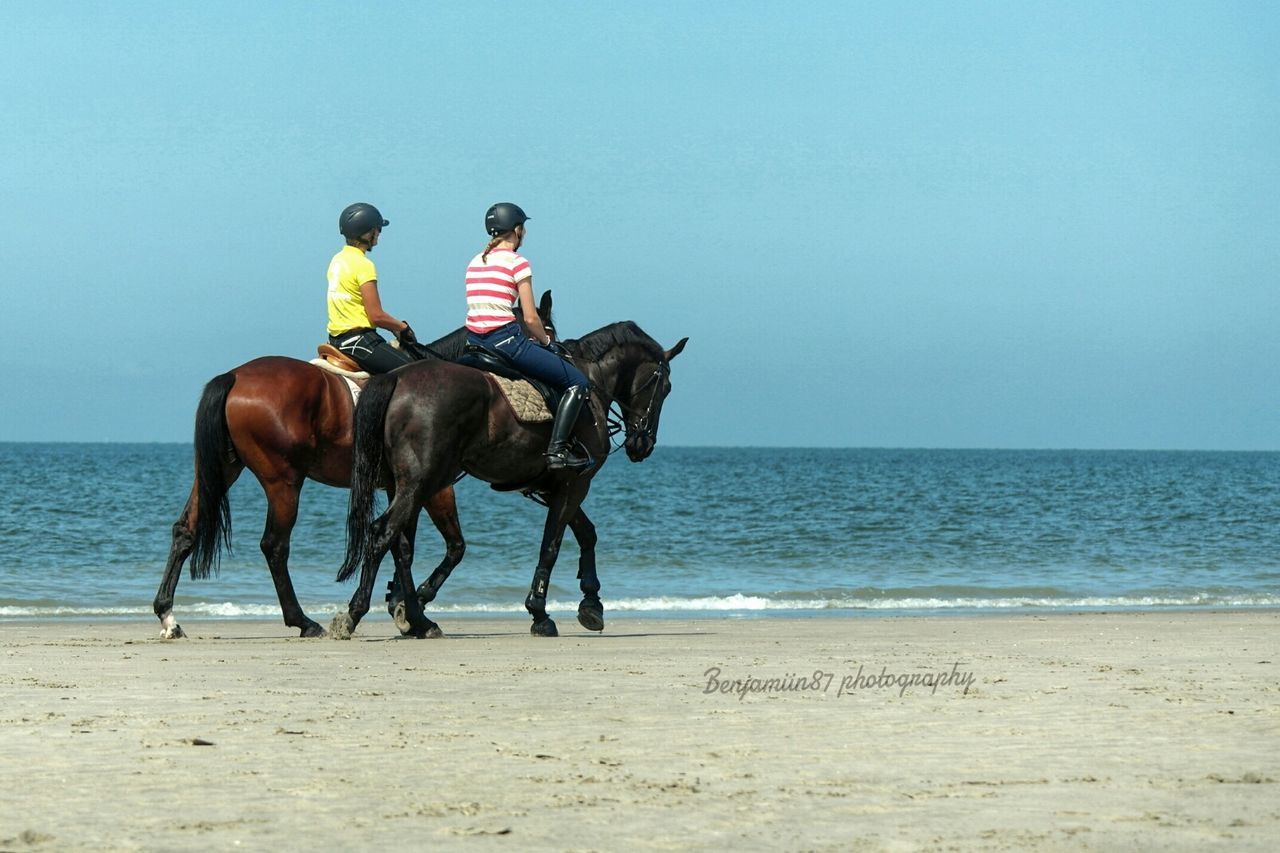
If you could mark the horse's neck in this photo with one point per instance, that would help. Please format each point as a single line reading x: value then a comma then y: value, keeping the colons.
x: 452, y: 345
x: 607, y: 372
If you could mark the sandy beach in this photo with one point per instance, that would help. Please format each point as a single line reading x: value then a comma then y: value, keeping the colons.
x: 1088, y: 731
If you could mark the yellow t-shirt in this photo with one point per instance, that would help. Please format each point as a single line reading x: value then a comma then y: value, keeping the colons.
x: 349, y: 269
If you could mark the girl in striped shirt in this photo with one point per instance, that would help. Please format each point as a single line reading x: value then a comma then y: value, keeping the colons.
x: 497, y: 279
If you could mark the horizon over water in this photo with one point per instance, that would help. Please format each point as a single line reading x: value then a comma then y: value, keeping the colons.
x: 806, y: 447
x: 84, y: 532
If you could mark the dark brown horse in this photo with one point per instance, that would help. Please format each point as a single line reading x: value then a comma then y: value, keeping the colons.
x: 418, y: 428
x: 287, y: 421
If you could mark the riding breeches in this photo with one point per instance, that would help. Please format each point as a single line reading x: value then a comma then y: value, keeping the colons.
x: 370, y: 350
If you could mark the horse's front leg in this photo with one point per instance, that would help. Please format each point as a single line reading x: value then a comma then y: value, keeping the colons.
x: 444, y: 514
x: 552, y: 535
x: 282, y: 514
x: 443, y: 510
x: 590, y: 610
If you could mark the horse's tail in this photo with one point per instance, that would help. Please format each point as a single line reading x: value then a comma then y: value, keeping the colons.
x: 213, y: 510
x: 366, y: 468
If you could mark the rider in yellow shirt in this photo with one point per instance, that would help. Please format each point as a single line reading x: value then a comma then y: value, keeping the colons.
x: 355, y: 308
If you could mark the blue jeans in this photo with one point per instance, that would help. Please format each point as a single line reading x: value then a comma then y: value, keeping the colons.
x: 530, y: 358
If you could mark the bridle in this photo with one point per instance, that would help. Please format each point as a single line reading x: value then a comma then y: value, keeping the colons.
x: 644, y: 424
x: 617, y: 423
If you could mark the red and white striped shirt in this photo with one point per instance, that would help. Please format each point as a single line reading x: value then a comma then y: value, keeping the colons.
x: 492, y: 288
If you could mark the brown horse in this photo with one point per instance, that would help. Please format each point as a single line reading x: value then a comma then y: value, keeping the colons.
x: 418, y: 428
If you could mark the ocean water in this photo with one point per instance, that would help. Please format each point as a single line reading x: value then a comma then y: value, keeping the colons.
x: 85, y: 528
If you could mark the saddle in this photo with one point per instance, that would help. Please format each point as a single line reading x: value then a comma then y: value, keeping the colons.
x: 522, y: 392
x: 334, y: 360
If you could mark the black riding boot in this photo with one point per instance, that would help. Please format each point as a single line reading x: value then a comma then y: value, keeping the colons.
x: 558, y: 454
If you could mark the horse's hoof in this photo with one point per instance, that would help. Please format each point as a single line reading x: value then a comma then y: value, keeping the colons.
x: 169, y: 627
x: 544, y: 628
x: 430, y: 632
x: 591, y: 615
x: 342, y: 626
x: 312, y: 631
x: 400, y: 618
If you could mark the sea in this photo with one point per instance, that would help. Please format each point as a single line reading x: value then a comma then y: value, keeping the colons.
x: 692, y: 532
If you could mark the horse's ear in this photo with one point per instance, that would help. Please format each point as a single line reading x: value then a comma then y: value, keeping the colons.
x: 544, y: 305
x: 676, y: 350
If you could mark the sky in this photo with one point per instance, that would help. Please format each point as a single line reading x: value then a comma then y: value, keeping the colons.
x: 984, y: 224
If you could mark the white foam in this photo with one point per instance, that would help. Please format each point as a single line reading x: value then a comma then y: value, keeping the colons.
x: 737, y: 602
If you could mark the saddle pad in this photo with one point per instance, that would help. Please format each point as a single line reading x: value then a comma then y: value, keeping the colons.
x: 348, y: 376
x: 525, y: 401
x: 355, y: 390
x: 324, y: 364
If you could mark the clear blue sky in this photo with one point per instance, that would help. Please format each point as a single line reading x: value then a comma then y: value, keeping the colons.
x: 880, y: 224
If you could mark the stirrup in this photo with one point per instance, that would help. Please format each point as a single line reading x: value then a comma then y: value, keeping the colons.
x: 562, y: 457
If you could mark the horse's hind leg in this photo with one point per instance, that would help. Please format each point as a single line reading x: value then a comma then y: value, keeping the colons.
x: 590, y: 610
x: 282, y: 514
x: 407, y: 613
x: 183, y: 541
x: 386, y: 529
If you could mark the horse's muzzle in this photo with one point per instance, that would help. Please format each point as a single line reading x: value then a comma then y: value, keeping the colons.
x: 639, y: 446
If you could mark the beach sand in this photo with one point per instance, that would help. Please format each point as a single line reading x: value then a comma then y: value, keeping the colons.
x: 1087, y: 731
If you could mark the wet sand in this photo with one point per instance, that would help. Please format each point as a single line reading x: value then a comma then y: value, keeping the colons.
x: 1089, y: 731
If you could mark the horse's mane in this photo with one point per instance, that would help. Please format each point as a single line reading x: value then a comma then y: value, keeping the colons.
x: 595, y: 345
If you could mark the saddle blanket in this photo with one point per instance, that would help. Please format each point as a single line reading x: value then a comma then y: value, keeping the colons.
x: 525, y: 400
x: 329, y: 366
x: 347, y: 376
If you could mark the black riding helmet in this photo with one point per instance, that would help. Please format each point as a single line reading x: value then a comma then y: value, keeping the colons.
x: 359, y: 219
x: 503, y: 217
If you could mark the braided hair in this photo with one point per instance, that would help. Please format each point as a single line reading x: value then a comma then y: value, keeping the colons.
x: 484, y: 256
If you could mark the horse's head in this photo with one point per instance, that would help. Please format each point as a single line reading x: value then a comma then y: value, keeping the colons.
x: 632, y: 371
x: 641, y: 402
